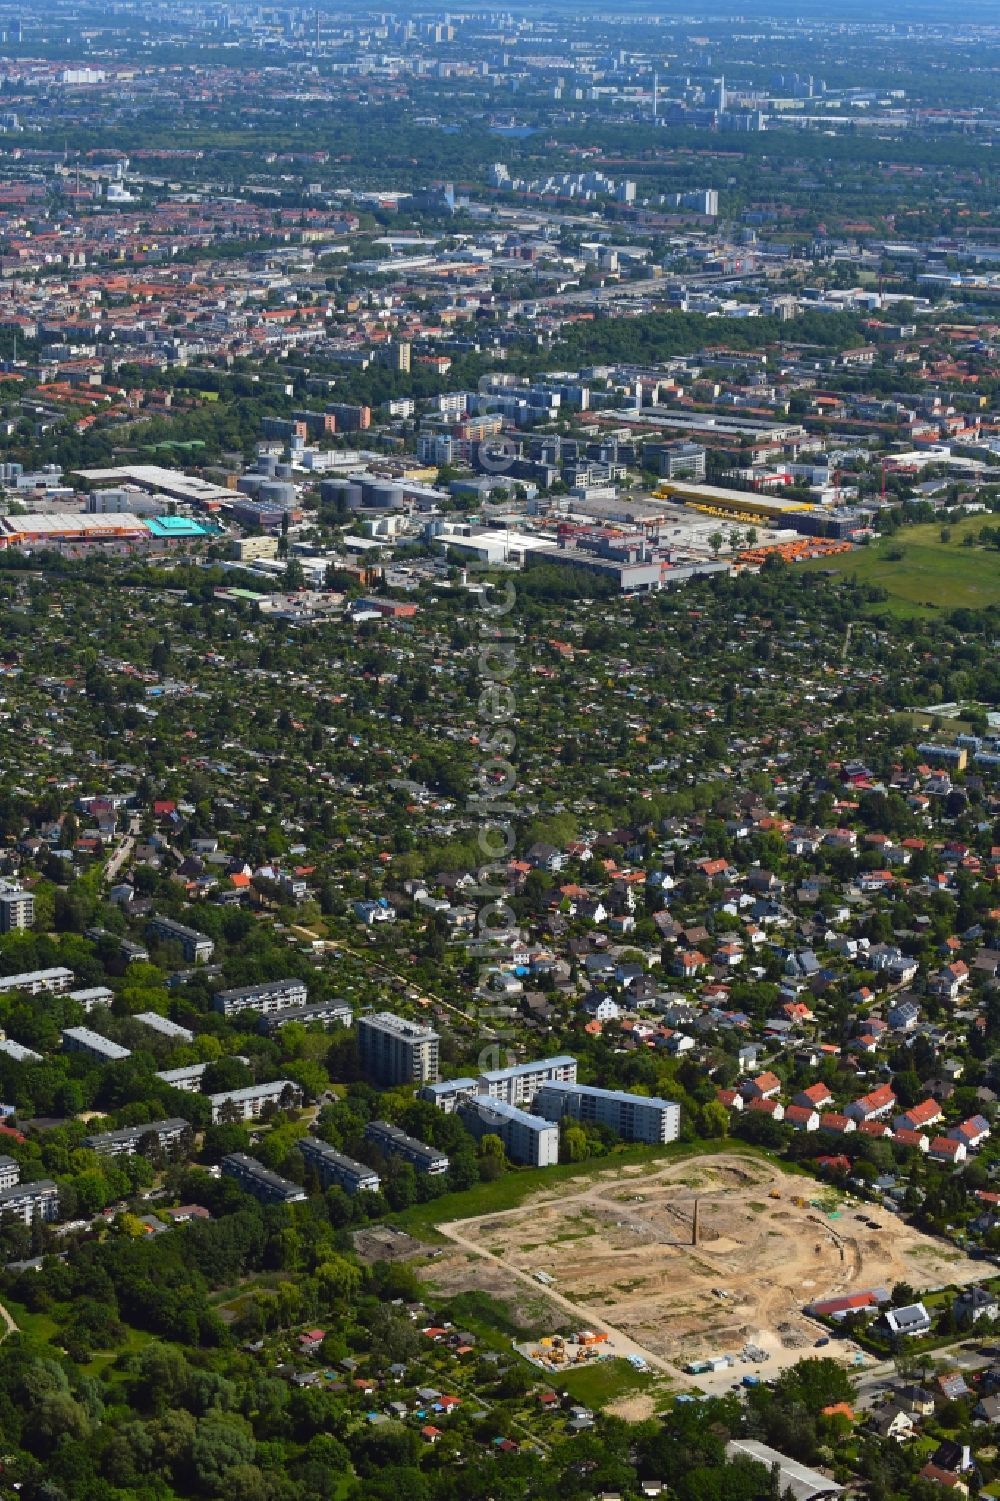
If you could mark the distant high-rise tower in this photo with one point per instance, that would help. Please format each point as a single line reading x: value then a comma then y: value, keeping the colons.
x: 656, y: 91
x: 721, y: 105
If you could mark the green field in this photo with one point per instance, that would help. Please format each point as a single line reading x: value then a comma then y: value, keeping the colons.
x: 931, y: 575
x: 603, y: 1382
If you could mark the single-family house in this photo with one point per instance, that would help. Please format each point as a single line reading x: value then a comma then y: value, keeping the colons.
x: 974, y: 1303
x: 919, y: 1117
x: 371, y: 912
x: 688, y: 963
x: 972, y: 1132
x: 815, y: 1097
x: 945, y: 1478
x: 903, y: 1016
x: 987, y: 1410
x: 948, y: 983
x: 543, y: 856
x: 763, y: 1087
x: 918, y: 1141
x: 600, y: 1007
x: 918, y: 1400
x: 892, y: 1422
x: 952, y: 1456
x: 910, y: 1322
x: 872, y: 1106
x: 774, y: 1108
x: 946, y: 1149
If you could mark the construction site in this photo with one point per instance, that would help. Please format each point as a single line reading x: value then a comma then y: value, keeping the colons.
x: 700, y: 1265
x: 557, y: 1352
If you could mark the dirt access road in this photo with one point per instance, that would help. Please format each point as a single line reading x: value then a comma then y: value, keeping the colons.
x: 583, y: 1317
x: 618, y: 1249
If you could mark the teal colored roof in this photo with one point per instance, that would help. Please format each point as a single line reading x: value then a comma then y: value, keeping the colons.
x: 175, y: 526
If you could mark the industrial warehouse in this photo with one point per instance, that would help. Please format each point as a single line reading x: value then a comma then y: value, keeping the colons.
x: 71, y: 532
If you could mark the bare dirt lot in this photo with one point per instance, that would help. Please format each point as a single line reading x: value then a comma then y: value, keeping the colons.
x: 618, y: 1247
x: 385, y: 1243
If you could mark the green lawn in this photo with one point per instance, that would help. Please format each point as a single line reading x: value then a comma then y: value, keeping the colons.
x: 40, y: 1326
x: 919, y: 721
x: 136, y: 1340
x: 43, y: 1328
x: 600, y: 1383
x: 931, y: 575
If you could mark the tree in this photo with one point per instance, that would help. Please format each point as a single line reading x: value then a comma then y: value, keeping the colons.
x: 56, y: 1416
x: 814, y: 1384
x: 574, y: 1144
x: 226, y: 1073
x: 220, y: 1444
x: 492, y: 1157
x: 394, y: 1338
x: 713, y: 1120
x: 160, y: 1378
x: 220, y: 1140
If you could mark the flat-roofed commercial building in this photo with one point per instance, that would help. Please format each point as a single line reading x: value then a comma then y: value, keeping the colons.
x: 634, y: 1117
x: 163, y: 530
x: 393, y: 1142
x: 526, y: 1138
x: 161, y: 481
x: 396, y: 1051
x: 519, y: 1084
x: 256, y: 1179
x: 268, y: 999
x: 250, y: 549
x: 333, y: 1167
x: 55, y: 530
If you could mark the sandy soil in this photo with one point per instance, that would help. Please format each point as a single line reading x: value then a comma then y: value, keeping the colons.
x: 636, y: 1407
x: 619, y: 1250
